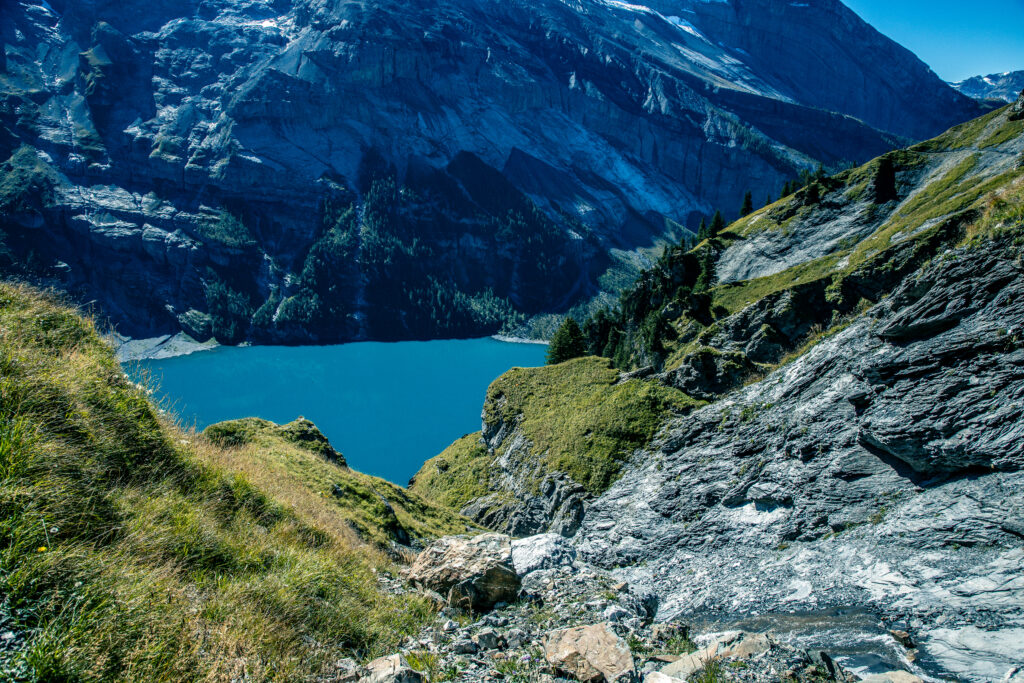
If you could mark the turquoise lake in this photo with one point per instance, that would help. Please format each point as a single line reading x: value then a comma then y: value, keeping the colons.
x: 387, y: 407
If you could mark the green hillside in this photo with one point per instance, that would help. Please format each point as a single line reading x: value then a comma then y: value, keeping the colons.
x: 131, y: 550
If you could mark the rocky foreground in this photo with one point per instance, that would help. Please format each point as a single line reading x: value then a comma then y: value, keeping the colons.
x: 530, y: 610
x: 852, y: 465
x: 864, y: 501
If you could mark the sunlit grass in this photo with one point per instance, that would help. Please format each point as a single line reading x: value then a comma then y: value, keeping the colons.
x: 131, y: 550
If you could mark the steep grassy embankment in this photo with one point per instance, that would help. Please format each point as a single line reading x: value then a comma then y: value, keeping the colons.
x: 576, y: 418
x: 130, y: 550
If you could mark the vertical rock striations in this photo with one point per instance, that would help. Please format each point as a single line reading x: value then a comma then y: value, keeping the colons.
x: 305, y: 170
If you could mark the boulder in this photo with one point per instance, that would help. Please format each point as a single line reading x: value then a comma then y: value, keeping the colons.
x: 590, y: 654
x: 543, y: 551
x: 464, y: 646
x: 345, y: 671
x: 902, y: 637
x: 658, y: 677
x: 735, y: 644
x: 892, y: 677
x: 469, y: 573
x: 393, y: 669
x: 489, y: 639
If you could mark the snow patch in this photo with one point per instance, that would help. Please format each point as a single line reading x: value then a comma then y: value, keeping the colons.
x: 686, y: 26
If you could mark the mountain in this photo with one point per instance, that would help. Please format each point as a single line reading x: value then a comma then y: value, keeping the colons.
x: 818, y: 477
x: 813, y: 419
x: 1005, y: 86
x: 290, y: 171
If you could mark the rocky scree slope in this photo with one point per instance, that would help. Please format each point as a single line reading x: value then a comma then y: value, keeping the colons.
x: 850, y: 422
x: 314, y: 171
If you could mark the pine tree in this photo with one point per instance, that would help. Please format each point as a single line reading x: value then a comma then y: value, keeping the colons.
x: 717, y: 224
x: 786, y: 189
x: 567, y: 343
x: 702, y: 231
x: 706, y: 276
x: 768, y: 200
x: 813, y: 193
x: 748, y: 204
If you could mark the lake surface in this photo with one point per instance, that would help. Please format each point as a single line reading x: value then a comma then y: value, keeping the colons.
x: 387, y: 407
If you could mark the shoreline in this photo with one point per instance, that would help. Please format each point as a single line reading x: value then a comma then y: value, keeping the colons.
x: 158, y: 348
x: 518, y: 340
x: 166, y: 346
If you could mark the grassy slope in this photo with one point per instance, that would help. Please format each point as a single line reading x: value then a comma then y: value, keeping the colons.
x: 295, y: 471
x: 577, y: 417
x: 130, y: 550
x: 951, y: 191
x: 950, y: 185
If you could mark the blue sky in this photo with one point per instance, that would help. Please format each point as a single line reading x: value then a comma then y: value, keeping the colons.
x: 957, y: 38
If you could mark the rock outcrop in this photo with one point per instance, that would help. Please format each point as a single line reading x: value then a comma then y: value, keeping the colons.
x: 856, y: 473
x: 733, y: 644
x: 881, y: 469
x: 470, y: 573
x: 1018, y: 108
x: 312, y: 171
x: 392, y: 669
x: 543, y: 551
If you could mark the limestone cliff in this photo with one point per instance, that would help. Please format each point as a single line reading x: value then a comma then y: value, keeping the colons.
x: 311, y: 170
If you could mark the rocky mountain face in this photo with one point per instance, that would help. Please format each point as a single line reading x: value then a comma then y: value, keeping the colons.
x: 313, y: 170
x: 1005, y: 86
x: 850, y: 463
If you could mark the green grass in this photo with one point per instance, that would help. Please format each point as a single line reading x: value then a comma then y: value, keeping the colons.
x: 306, y: 472
x: 1003, y: 134
x: 578, y: 419
x: 131, y: 550
x: 1003, y: 211
x: 734, y: 297
x: 964, y: 136
x: 460, y: 474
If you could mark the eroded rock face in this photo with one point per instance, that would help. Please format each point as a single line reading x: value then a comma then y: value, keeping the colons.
x: 469, y: 573
x: 590, y: 654
x: 882, y: 469
x: 557, y: 506
x: 142, y: 123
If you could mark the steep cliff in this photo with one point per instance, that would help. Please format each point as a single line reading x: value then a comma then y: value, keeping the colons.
x: 860, y: 354
x: 304, y: 170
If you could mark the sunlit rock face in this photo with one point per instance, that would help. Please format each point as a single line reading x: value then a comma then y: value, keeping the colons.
x: 311, y: 170
x: 1004, y: 87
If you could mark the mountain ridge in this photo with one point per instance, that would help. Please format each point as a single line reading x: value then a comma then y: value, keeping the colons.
x: 209, y: 154
x: 1004, y: 86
